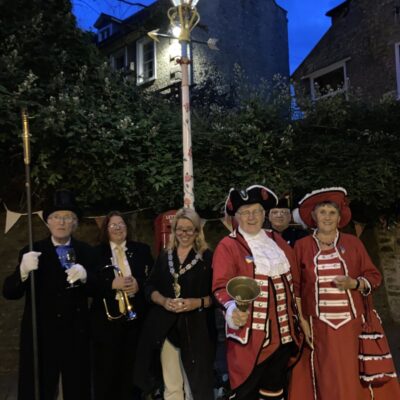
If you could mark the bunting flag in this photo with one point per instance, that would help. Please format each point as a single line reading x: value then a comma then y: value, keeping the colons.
x: 99, y: 220
x: 227, y: 221
x: 12, y: 217
x: 359, y: 228
x: 40, y: 215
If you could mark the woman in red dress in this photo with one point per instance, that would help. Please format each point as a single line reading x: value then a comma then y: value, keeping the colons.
x: 334, y: 275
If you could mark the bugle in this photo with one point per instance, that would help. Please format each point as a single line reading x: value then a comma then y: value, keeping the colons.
x: 127, y: 309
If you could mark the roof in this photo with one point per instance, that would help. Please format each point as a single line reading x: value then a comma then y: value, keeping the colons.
x: 105, y: 19
x: 338, y: 9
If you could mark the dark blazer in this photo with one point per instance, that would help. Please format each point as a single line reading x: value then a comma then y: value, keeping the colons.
x: 62, y: 319
x: 140, y: 261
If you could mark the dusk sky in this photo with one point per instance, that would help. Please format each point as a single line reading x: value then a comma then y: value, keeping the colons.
x: 307, y: 20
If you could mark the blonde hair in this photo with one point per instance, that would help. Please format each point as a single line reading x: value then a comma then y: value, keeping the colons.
x: 200, y: 244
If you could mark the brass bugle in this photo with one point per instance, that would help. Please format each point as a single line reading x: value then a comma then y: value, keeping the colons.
x: 243, y: 290
x: 128, y: 311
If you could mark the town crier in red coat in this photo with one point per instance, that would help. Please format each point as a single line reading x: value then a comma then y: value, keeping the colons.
x: 264, y: 341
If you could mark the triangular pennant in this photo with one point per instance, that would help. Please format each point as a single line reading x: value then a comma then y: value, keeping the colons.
x: 227, y: 221
x: 359, y: 228
x: 11, y: 219
x: 99, y: 220
x: 40, y: 215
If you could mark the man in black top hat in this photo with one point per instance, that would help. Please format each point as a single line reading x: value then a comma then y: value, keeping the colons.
x: 280, y: 218
x: 63, y: 276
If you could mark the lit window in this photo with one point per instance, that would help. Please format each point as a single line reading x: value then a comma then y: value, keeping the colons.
x: 329, y: 81
x: 146, y: 60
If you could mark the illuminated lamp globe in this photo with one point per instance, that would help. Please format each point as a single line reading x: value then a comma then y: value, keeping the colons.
x: 177, y: 3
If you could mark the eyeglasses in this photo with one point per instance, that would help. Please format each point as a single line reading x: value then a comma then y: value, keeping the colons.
x: 254, y: 213
x: 58, y: 218
x: 117, y: 226
x: 276, y: 213
x: 181, y: 231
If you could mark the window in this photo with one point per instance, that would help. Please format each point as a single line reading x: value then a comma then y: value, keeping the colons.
x: 397, y: 54
x: 329, y: 81
x: 118, y: 59
x: 104, y: 33
x: 145, y: 60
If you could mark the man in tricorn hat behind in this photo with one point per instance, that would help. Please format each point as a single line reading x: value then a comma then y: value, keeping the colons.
x: 263, y: 341
x: 62, y: 268
x: 280, y: 217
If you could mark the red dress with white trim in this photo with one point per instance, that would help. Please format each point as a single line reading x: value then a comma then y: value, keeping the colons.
x: 331, y: 370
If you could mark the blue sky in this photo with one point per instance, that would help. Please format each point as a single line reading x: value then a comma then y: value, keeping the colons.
x: 307, y: 20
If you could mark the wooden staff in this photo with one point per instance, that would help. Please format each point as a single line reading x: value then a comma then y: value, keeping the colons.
x: 27, y: 160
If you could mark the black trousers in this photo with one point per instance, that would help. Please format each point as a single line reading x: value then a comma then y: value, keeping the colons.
x: 65, y: 358
x: 271, y: 375
x: 113, y: 364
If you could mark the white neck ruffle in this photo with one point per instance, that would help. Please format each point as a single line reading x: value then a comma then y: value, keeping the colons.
x: 269, y: 258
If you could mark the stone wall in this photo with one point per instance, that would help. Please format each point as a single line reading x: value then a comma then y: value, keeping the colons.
x: 251, y: 33
x: 366, y: 34
x: 389, y: 253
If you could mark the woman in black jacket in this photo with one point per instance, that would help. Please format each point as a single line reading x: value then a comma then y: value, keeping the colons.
x: 179, y: 322
x: 114, y: 333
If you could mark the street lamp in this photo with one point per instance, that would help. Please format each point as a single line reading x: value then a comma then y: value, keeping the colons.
x: 184, y: 15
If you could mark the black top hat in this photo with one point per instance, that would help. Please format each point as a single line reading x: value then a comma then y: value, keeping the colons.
x: 63, y: 200
x: 253, y: 194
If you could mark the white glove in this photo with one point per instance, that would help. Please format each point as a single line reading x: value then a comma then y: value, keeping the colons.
x: 230, y: 306
x: 75, y: 273
x: 29, y: 262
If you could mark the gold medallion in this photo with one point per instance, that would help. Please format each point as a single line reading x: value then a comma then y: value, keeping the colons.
x: 176, y: 286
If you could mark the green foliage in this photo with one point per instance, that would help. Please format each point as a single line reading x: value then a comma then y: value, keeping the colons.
x: 118, y: 146
x: 350, y: 143
x: 92, y: 130
x: 243, y: 142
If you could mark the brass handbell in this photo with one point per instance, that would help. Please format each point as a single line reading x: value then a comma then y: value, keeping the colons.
x: 243, y: 290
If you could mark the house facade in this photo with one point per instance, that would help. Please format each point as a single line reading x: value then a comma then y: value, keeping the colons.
x: 251, y: 33
x: 360, y: 52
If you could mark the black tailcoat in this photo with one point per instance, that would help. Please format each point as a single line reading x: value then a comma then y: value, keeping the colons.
x: 62, y: 324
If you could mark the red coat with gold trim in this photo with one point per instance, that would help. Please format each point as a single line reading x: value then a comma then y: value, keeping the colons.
x: 233, y: 257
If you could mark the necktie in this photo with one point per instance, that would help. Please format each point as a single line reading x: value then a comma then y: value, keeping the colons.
x: 62, y: 252
x: 120, y: 255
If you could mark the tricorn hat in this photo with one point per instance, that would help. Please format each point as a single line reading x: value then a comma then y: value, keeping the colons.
x: 283, y: 203
x: 337, y: 195
x: 252, y: 195
x: 63, y: 200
